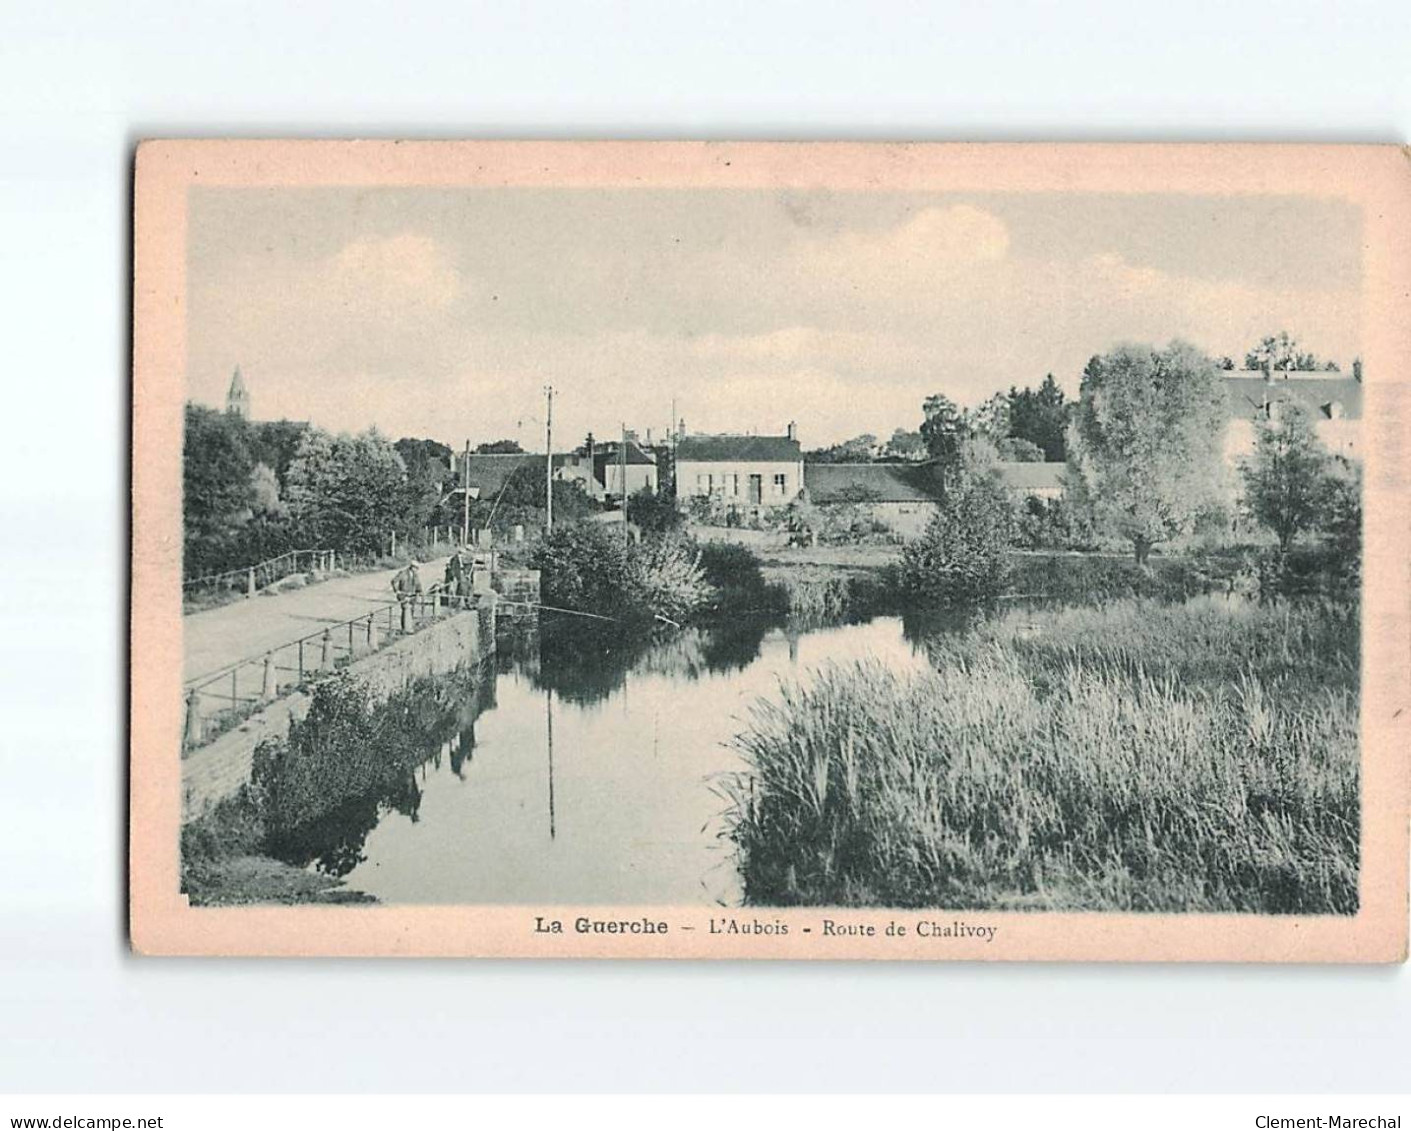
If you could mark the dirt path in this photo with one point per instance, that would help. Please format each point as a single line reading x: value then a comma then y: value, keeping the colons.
x: 217, y: 637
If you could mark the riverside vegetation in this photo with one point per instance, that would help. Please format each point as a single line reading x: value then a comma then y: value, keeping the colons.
x: 1197, y: 756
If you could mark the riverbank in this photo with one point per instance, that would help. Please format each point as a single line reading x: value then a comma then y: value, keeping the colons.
x: 314, y: 792
x: 1140, y: 756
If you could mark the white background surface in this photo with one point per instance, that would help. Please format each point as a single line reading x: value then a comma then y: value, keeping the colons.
x: 79, y: 83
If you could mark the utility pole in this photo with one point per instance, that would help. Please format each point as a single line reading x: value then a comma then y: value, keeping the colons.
x: 465, y: 491
x: 622, y: 484
x: 549, y: 460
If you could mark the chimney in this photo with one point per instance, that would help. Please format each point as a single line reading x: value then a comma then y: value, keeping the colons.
x: 649, y: 437
x: 793, y: 431
x: 681, y: 429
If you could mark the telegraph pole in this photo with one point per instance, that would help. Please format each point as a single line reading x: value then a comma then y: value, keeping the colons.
x: 465, y: 490
x: 549, y: 459
x: 622, y: 467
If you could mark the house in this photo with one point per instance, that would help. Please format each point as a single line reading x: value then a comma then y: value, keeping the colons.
x: 901, y: 497
x: 749, y: 475
x: 490, y: 471
x: 1333, y: 402
x: 609, y: 466
x: 1033, y: 480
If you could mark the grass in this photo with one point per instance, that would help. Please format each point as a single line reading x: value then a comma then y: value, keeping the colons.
x: 1140, y: 757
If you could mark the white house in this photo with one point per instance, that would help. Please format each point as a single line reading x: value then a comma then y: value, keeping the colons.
x: 1333, y: 401
x: 749, y: 474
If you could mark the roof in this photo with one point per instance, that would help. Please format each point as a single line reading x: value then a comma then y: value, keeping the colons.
x: 489, y: 470
x: 1032, y: 476
x: 738, y: 449
x: 608, y: 453
x: 877, y: 482
x: 1317, y: 391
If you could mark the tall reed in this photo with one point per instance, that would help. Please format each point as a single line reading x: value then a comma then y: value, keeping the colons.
x: 1198, y: 757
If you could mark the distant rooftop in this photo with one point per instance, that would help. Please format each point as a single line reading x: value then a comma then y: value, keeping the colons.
x: 878, y: 482
x: 738, y: 449
x: 1316, y: 390
x: 1032, y: 476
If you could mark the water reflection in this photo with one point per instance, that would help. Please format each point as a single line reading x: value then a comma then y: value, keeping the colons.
x: 577, y: 773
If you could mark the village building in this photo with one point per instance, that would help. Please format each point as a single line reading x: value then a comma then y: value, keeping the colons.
x: 596, y: 468
x: 747, y: 475
x: 1333, y: 402
x: 901, y: 497
x: 609, y: 466
x: 1033, y: 480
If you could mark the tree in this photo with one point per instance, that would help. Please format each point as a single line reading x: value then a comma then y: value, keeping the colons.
x: 945, y: 428
x: 217, y: 495
x: 1014, y: 450
x: 962, y: 555
x: 1147, y: 440
x: 653, y: 511
x: 990, y: 419
x: 348, y: 492
x: 1280, y: 353
x: 905, y: 445
x: 499, y: 447
x: 264, y: 491
x: 1286, y: 479
x: 1041, y: 416
x: 860, y: 449
x: 428, y: 465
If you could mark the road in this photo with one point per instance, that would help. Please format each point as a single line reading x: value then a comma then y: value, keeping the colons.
x: 217, y: 637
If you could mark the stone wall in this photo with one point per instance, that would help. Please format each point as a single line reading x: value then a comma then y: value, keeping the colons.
x: 221, y: 767
x: 520, y: 590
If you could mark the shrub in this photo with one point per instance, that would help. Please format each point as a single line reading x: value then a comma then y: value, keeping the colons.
x: 961, y: 556
x: 587, y: 568
x: 740, y: 587
x: 654, y: 512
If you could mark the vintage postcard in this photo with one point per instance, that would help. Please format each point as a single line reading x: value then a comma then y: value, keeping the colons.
x: 793, y: 551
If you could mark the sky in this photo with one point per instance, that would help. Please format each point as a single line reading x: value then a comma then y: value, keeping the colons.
x: 443, y: 313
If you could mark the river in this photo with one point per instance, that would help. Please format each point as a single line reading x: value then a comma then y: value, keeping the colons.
x: 588, y: 772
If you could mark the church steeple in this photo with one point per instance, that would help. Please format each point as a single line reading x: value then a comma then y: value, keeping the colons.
x: 237, y: 398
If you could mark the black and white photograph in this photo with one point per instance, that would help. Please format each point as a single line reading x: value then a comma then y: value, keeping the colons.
x: 761, y: 550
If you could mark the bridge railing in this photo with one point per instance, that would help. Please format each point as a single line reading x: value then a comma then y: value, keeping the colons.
x: 249, y: 580
x: 219, y: 701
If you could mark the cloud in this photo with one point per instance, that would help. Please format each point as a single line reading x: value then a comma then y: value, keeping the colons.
x: 846, y: 330
x: 390, y: 274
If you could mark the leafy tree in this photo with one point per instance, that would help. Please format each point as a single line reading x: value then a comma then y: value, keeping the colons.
x: 860, y: 449
x: 499, y: 447
x: 990, y: 419
x: 1280, y: 353
x: 1286, y: 479
x: 348, y: 492
x: 264, y: 491
x: 905, y: 445
x: 274, y: 442
x: 1015, y: 450
x: 429, y: 477
x: 654, y: 511
x: 1341, y: 517
x: 1147, y: 440
x: 962, y: 555
x: 217, y: 495
x: 944, y: 430
x: 1041, y: 416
